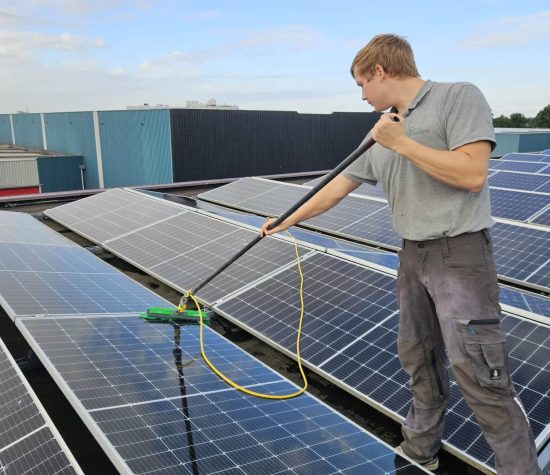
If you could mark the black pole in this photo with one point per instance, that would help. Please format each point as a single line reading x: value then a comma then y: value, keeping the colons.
x: 341, y: 167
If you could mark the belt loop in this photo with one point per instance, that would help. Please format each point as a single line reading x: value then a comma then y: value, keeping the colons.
x: 444, y: 247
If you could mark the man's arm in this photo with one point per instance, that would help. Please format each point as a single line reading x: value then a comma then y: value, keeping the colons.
x: 326, y: 198
x: 464, y: 167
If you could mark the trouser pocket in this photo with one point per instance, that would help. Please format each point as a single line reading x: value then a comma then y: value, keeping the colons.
x: 485, y: 346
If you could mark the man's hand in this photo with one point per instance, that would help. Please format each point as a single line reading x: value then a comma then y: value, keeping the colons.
x: 267, y: 232
x: 389, y: 133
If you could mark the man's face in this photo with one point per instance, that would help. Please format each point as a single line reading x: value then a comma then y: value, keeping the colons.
x: 372, y: 89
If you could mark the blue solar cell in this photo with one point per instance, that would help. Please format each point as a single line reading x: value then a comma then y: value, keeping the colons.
x: 522, y: 254
x: 527, y: 157
x: 517, y: 166
x: 517, y: 205
x: 519, y: 181
x: 534, y: 303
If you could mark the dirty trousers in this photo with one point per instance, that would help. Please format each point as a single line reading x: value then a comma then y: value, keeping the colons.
x: 448, y: 298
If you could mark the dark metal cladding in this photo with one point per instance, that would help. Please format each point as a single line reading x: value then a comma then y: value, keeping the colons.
x: 209, y: 144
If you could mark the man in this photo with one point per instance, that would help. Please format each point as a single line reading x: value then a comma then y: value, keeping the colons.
x: 433, y: 166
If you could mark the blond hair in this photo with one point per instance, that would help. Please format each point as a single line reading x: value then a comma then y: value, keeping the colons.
x: 392, y: 52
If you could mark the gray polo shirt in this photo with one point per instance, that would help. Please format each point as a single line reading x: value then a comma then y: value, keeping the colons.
x: 443, y: 116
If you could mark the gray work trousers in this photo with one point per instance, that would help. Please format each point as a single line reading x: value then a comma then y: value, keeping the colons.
x: 448, y: 298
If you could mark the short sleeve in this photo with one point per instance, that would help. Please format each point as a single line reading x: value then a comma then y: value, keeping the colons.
x: 361, y: 170
x: 468, y: 117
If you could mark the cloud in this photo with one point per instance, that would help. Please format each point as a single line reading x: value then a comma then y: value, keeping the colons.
x: 297, y: 36
x: 17, y: 45
x: 511, y: 31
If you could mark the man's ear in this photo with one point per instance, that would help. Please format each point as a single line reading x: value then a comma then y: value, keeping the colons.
x: 379, y: 71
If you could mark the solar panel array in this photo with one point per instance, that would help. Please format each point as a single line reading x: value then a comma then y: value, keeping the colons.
x: 348, y: 305
x: 522, y: 253
x: 147, y: 396
x: 155, y: 407
x: 29, y: 443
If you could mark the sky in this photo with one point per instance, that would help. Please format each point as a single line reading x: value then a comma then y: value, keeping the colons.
x: 73, y: 55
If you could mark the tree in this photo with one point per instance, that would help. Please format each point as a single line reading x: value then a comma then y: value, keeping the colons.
x: 542, y: 119
x: 518, y: 120
x: 501, y: 121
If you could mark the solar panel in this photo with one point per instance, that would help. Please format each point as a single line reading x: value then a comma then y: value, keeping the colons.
x: 364, y: 189
x: 522, y: 254
x: 517, y: 166
x: 43, y: 279
x: 154, y: 406
x: 360, y: 218
x: 342, y: 302
x: 111, y: 213
x: 22, y: 227
x: 527, y: 157
x: 184, y: 250
x: 29, y: 443
x: 520, y: 181
x: 517, y: 205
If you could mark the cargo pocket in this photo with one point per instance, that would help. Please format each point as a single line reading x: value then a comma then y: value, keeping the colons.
x: 485, y: 346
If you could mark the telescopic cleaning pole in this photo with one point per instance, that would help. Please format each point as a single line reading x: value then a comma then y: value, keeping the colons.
x: 342, y: 166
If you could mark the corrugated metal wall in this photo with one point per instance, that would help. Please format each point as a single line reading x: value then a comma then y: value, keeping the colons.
x: 73, y: 133
x: 59, y: 173
x: 506, y: 143
x: 534, y: 142
x: 28, y: 130
x: 211, y: 144
x: 5, y: 129
x: 135, y: 147
x: 18, y: 173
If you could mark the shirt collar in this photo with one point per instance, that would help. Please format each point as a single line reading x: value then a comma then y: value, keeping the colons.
x: 421, y: 93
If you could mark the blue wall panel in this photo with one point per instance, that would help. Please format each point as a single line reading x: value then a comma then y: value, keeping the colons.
x: 135, y: 147
x: 5, y: 129
x: 506, y: 143
x: 534, y: 142
x: 73, y: 133
x: 28, y: 130
x: 59, y: 173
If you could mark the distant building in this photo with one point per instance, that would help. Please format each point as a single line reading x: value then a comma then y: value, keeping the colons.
x: 210, y: 104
